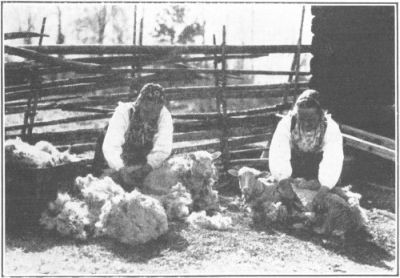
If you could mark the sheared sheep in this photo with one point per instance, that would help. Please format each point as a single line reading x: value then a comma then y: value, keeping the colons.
x: 215, y: 222
x: 195, y: 171
x: 255, y: 185
x: 337, y: 213
x: 136, y: 219
x: 259, y: 192
x: 334, y: 216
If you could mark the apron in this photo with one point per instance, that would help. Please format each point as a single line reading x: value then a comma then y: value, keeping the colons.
x: 304, y: 164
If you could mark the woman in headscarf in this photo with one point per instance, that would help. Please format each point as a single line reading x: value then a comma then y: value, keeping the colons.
x: 307, y: 144
x: 138, y: 138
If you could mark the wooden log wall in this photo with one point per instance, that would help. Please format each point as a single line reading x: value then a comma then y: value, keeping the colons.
x: 353, y: 64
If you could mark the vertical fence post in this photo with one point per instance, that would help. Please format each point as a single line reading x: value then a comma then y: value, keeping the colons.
x: 218, y: 101
x: 35, y: 89
x: 134, y: 25
x: 223, y: 105
x: 296, y: 78
x: 296, y: 60
x: 138, y: 65
x: 30, y: 113
x: 133, y: 66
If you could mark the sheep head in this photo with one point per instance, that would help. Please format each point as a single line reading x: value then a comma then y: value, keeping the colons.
x: 202, y: 163
x: 249, y: 184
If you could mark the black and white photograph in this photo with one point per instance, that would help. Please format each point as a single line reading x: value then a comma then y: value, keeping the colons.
x: 199, y: 138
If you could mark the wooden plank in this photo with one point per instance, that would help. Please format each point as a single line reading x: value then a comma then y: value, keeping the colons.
x: 68, y: 81
x: 369, y: 136
x: 178, y: 147
x: 22, y: 35
x: 372, y: 148
x: 62, y: 121
x: 71, y: 89
x: 158, y: 49
x: 22, y: 108
x: 76, y: 66
x: 179, y: 125
x: 121, y: 60
x: 250, y: 162
x: 244, y: 140
x: 247, y: 151
x: 212, y: 71
x: 195, y: 90
x: 113, y: 99
x: 17, y: 103
x: 86, y: 135
x: 190, y: 146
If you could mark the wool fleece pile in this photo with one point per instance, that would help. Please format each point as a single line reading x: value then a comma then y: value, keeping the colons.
x: 41, y: 155
x: 100, y: 207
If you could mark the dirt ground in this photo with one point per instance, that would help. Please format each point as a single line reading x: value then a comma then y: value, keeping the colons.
x: 244, y: 249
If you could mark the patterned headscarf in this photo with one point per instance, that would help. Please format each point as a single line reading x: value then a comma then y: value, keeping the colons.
x: 139, y: 135
x: 151, y: 91
x: 308, y: 141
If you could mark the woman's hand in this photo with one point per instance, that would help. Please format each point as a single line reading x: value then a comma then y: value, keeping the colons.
x: 126, y: 176
x: 307, y: 184
x: 133, y: 176
x: 319, y: 199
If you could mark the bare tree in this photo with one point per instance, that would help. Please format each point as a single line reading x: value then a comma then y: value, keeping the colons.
x: 172, y: 21
x: 101, y: 21
x: 30, y: 28
x: 119, y: 24
x: 60, y: 35
x: 91, y: 27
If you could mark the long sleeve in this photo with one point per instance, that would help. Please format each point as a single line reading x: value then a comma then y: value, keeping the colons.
x: 162, y: 142
x: 279, y: 152
x: 114, y: 139
x: 330, y: 167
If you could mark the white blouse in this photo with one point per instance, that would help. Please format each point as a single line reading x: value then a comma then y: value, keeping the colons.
x: 331, y: 164
x: 115, y: 137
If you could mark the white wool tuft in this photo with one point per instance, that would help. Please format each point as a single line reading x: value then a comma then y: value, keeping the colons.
x: 41, y: 155
x: 177, y: 202
x: 103, y: 208
x: 195, y: 171
x: 136, y: 219
x: 215, y: 222
x: 70, y: 217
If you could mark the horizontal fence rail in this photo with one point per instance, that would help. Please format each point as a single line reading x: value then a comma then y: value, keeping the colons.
x: 157, y: 49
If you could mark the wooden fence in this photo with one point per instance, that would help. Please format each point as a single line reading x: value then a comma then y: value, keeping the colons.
x: 30, y: 88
